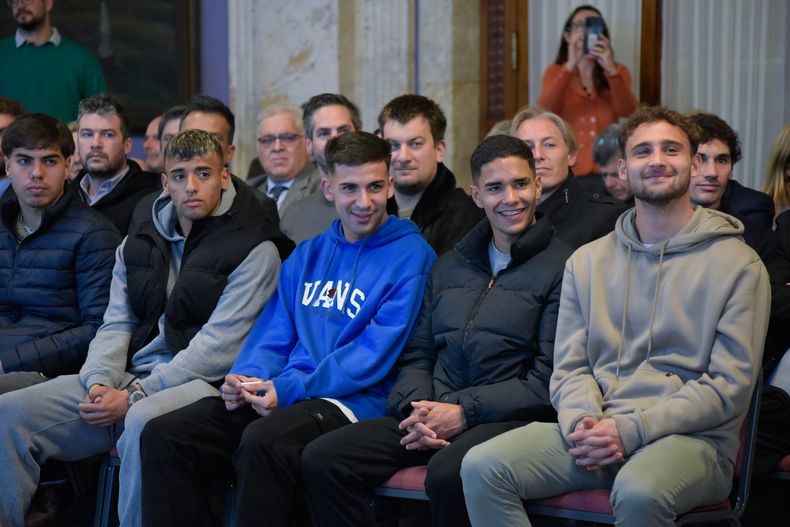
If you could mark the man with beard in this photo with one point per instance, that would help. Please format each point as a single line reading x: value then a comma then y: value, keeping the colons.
x: 650, y: 394
x: 109, y: 182
x: 425, y: 190
x: 43, y: 70
x: 324, y: 116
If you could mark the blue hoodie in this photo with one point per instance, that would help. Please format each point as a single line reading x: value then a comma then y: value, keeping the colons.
x: 340, y: 317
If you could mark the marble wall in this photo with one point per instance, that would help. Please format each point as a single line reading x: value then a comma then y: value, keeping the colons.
x: 284, y: 51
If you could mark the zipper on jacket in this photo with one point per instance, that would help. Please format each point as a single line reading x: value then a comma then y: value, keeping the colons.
x: 566, y: 195
x: 476, y: 308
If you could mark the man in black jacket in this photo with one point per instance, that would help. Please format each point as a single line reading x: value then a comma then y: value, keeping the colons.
x: 56, y: 258
x: 714, y: 188
x: 478, y: 363
x: 425, y: 190
x: 109, y: 182
x: 579, y: 217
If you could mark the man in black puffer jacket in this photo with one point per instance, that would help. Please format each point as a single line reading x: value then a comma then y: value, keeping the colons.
x: 478, y: 363
x: 56, y: 258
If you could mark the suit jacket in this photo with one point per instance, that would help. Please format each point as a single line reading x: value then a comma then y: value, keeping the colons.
x: 305, y: 183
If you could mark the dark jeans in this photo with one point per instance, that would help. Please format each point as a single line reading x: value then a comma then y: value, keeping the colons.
x: 187, y: 452
x: 341, y: 470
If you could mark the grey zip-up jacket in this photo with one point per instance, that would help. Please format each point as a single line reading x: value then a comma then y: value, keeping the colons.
x: 665, y: 339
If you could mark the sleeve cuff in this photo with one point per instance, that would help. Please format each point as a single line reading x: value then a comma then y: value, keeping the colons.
x: 290, y: 390
x: 629, y: 432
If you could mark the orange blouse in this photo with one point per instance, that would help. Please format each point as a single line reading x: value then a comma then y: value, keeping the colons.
x: 588, y: 114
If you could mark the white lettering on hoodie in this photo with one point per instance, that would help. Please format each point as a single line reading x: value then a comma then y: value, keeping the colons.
x: 331, y: 296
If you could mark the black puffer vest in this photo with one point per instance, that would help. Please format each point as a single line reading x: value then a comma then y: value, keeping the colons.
x: 214, y: 248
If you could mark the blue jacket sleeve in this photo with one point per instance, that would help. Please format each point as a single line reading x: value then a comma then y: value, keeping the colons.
x: 65, y: 351
x: 367, y: 357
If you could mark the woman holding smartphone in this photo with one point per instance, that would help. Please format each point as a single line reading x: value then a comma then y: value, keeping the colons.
x: 589, y: 90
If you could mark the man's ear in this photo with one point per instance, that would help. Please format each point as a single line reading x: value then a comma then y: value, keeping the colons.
x: 621, y: 172
x: 474, y: 192
x: 696, y: 165
x: 326, y: 188
x: 164, y: 183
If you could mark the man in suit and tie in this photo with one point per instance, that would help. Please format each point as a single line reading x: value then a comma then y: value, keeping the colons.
x: 287, y: 175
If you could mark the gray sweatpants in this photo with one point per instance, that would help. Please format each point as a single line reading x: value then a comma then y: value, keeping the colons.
x: 42, y: 422
x: 667, y: 477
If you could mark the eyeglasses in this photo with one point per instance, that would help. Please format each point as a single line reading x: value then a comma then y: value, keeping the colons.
x: 13, y: 3
x: 288, y: 139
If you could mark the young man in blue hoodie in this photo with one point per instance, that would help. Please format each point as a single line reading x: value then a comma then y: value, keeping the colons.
x: 189, y: 281
x: 319, y: 357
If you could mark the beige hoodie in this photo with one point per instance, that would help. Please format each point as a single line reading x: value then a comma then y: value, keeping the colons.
x: 666, y: 339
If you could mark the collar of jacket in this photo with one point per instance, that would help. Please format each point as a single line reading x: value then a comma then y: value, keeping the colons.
x: 9, y: 211
x: 474, y: 246
x: 431, y: 202
x: 563, y: 196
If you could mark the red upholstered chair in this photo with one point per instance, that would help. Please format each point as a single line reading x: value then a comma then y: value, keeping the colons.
x: 594, y: 505
x: 407, y: 483
x: 783, y: 468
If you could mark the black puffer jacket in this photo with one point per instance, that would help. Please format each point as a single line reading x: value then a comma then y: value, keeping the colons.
x: 54, y: 285
x: 580, y: 217
x: 487, y: 344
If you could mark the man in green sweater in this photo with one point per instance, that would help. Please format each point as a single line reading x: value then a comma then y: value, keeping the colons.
x: 43, y: 70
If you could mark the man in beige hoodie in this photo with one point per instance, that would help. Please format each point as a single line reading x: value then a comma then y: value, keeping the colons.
x: 659, y: 339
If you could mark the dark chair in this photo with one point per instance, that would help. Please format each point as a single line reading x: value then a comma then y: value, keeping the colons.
x: 594, y: 505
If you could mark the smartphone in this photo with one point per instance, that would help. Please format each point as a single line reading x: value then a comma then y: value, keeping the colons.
x: 593, y: 29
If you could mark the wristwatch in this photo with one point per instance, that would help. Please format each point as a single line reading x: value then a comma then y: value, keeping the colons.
x: 135, y: 393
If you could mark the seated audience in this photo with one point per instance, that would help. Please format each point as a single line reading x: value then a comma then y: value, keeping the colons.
x: 287, y: 176
x: 56, y: 258
x: 777, y: 173
x: 577, y: 216
x: 713, y: 187
x: 319, y: 357
x: 606, y: 153
x: 650, y: 394
x: 425, y: 189
x: 189, y: 280
x: 168, y: 125
x: 324, y: 117
x: 478, y: 363
x: 109, y: 182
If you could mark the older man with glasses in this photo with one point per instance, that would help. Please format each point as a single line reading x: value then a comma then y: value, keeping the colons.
x: 282, y: 151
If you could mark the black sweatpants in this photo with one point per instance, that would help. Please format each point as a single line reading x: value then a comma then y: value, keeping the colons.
x: 341, y: 470
x: 185, y: 453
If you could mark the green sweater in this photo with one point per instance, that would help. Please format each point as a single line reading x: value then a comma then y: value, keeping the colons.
x: 49, y: 79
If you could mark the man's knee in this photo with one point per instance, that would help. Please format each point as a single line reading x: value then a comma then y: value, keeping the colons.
x: 483, y: 467
x: 444, y: 475
x: 319, y: 462
x: 639, y: 497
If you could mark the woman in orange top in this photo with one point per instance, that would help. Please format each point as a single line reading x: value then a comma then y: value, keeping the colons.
x: 590, y: 91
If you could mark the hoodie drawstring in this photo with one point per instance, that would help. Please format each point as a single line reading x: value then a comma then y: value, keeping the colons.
x: 625, y: 311
x: 652, y: 309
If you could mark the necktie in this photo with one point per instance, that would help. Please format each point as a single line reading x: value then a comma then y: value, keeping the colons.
x: 276, y: 191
